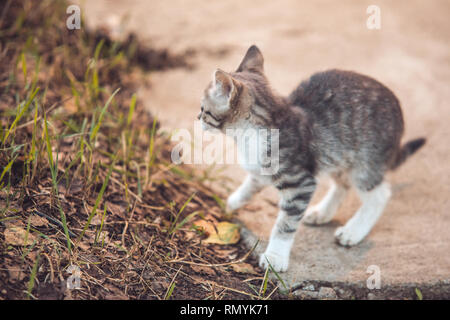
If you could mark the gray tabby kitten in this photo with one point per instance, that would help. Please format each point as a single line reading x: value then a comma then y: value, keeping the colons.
x: 339, y: 123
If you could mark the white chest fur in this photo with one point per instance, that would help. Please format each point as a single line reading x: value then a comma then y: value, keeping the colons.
x: 258, y: 151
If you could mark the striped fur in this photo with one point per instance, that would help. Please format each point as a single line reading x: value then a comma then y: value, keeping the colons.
x: 337, y: 122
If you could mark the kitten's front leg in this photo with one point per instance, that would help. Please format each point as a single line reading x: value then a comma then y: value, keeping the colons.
x: 244, y: 193
x: 296, y: 192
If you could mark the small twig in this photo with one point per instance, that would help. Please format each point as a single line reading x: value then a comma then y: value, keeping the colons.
x: 53, y: 106
x: 52, y: 278
x: 271, y: 293
x: 171, y: 283
x: 125, y: 188
x: 234, y: 290
x: 218, y: 264
x: 126, y: 224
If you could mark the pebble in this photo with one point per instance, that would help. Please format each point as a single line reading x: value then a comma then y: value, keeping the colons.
x: 343, y: 293
x: 305, y: 294
x: 309, y: 287
x: 327, y: 293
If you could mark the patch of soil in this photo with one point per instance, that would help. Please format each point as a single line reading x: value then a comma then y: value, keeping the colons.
x: 86, y: 197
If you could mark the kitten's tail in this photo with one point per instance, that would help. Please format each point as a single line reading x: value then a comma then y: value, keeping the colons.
x: 406, y: 150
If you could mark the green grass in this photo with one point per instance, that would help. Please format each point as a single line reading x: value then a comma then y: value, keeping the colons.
x: 97, y: 201
x: 173, y: 226
x: 97, y: 125
x: 31, y: 281
x: 65, y: 127
x: 6, y: 169
x: 419, y: 294
x: 20, y: 113
x: 171, y: 287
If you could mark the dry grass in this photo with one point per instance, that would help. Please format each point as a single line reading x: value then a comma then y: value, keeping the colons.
x: 86, y: 178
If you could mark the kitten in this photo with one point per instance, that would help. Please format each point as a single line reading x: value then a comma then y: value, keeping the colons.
x: 339, y: 123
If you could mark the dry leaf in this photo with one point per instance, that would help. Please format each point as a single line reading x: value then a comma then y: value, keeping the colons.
x: 16, y: 236
x: 243, y: 268
x: 38, y: 221
x: 16, y: 274
x: 207, y: 226
x: 227, y: 233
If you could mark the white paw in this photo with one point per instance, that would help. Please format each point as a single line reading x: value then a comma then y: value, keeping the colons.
x: 234, y: 201
x: 348, y: 236
x: 278, y: 262
x: 315, y: 216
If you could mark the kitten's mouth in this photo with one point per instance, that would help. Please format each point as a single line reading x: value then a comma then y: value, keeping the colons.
x: 208, y: 127
x: 205, y: 126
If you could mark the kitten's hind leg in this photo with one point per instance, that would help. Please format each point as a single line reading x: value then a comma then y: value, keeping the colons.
x: 326, y: 209
x: 245, y: 192
x: 357, y: 228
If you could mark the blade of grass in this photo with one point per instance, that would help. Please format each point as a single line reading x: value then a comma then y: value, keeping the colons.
x: 263, y: 288
x: 20, y: 114
x: 66, y: 229
x: 419, y: 294
x: 6, y: 169
x: 171, y: 286
x: 50, y: 154
x: 173, y: 225
x: 33, y: 138
x: 151, y: 157
x: 101, y: 225
x: 185, y: 220
x: 99, y: 121
x: 132, y: 107
x: 54, y: 172
x: 24, y: 65
x: 33, y: 276
x: 277, y: 275
x: 219, y: 201
x: 99, y: 198
x: 98, y: 49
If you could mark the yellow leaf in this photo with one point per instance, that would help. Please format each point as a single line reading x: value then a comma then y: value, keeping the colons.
x: 224, y: 233
x: 205, y: 226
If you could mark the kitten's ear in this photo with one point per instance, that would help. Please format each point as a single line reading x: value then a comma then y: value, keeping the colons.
x: 223, y: 82
x: 253, y: 61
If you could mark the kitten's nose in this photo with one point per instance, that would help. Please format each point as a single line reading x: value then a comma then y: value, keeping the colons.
x: 199, y: 115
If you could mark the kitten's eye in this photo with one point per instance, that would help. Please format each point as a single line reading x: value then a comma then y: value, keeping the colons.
x: 201, y: 108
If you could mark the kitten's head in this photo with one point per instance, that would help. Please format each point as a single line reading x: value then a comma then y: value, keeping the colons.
x: 228, y: 97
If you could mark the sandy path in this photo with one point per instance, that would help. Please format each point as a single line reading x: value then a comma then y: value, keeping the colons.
x: 410, y: 54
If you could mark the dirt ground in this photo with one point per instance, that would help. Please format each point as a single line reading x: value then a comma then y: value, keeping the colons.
x: 409, y: 53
